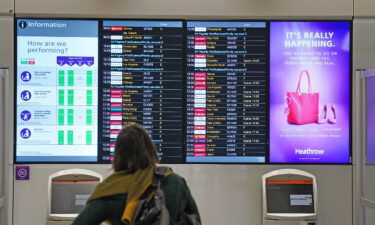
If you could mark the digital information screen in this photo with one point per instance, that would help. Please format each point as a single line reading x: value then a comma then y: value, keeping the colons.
x: 70, y: 196
x: 290, y: 196
x: 56, y: 94
x: 206, y: 91
x: 227, y: 92
x: 143, y: 82
x: 310, y: 74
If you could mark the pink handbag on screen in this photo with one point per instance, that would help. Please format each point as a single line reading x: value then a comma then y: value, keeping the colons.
x: 303, y: 107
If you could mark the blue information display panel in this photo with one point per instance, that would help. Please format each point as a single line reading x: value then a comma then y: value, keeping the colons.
x: 57, y: 91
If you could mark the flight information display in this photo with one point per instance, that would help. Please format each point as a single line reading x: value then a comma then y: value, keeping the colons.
x: 227, y: 92
x: 142, y: 82
x: 205, y: 91
x: 57, y: 91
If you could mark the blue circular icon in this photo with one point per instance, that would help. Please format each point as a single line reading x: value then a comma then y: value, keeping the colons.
x: 25, y: 133
x: 25, y: 115
x: 22, y: 24
x: 26, y: 76
x: 26, y: 95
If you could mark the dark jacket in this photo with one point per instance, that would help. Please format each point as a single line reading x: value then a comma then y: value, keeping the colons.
x: 111, y: 208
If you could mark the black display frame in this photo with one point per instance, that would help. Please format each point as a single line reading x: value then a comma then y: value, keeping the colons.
x: 183, y: 90
x: 350, y: 89
x: 184, y: 31
x: 267, y: 153
x: 15, y: 28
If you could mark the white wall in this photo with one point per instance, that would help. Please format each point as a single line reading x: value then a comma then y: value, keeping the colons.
x: 6, y: 93
x: 225, y: 194
x: 189, y: 9
x: 364, y: 57
x: 370, y: 217
x: 6, y: 41
x: 2, y: 154
x: 369, y: 192
x: 364, y: 8
x: 6, y: 7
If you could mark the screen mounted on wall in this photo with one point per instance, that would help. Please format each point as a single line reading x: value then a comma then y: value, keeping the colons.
x: 57, y: 91
x: 206, y: 91
x: 227, y: 83
x: 142, y: 82
x: 310, y: 92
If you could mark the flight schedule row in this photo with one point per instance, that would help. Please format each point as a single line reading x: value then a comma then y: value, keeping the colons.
x: 199, y: 89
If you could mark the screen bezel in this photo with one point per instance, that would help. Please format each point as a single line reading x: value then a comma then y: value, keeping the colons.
x: 183, y: 150
x: 290, y: 213
x: 183, y: 161
x: 69, y: 172
x: 289, y: 172
x: 16, y: 19
x: 267, y: 153
x: 350, y: 89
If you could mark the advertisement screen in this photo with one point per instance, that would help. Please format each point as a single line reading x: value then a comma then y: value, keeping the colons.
x: 370, y: 104
x: 310, y: 92
x: 57, y: 90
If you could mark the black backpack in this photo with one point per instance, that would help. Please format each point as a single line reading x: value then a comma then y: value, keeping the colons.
x: 152, y: 210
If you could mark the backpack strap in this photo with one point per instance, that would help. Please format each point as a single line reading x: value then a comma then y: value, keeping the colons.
x: 159, y: 173
x: 162, y: 171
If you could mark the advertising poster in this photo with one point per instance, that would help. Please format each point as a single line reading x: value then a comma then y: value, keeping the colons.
x: 310, y: 92
x: 370, y: 104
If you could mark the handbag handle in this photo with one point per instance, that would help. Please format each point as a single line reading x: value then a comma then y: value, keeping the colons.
x: 299, y: 81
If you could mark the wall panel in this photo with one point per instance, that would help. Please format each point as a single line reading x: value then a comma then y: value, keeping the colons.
x: 225, y: 194
x: 188, y: 9
x: 363, y: 58
x: 6, y: 7
x: 6, y: 94
x: 364, y: 8
x: 6, y: 42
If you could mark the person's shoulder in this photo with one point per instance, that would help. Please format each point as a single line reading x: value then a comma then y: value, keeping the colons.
x: 175, y: 178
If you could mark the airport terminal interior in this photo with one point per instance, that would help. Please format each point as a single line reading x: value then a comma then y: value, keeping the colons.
x: 265, y: 107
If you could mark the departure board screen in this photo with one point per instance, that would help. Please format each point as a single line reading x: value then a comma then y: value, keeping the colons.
x: 206, y: 91
x: 142, y: 82
x: 227, y: 92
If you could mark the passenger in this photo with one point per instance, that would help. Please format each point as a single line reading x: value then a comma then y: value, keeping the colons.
x: 115, y: 199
